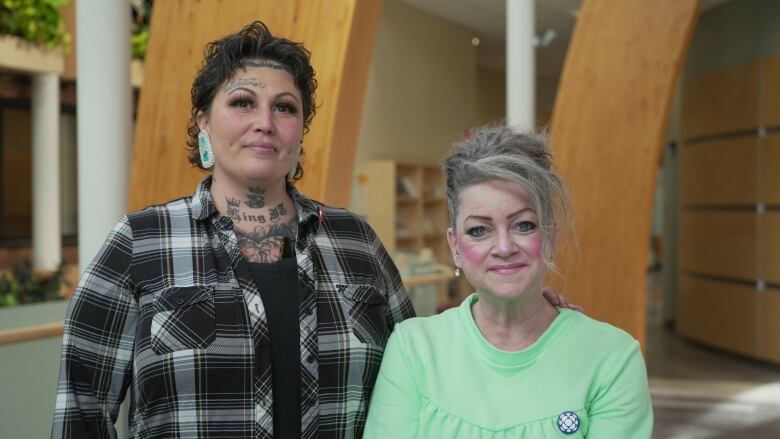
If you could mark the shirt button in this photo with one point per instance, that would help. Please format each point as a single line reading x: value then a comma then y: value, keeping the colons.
x: 310, y: 359
x: 180, y: 301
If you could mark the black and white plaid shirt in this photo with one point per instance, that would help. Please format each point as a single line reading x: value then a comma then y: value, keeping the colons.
x: 168, y: 309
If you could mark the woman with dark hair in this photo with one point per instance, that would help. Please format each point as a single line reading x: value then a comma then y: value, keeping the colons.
x: 246, y: 309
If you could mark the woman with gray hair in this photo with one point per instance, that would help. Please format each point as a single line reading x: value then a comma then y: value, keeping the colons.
x: 507, y: 363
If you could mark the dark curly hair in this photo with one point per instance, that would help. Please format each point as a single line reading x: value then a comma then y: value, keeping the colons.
x: 223, y: 57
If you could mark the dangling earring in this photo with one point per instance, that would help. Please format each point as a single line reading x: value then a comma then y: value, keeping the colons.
x: 294, y: 168
x: 205, y: 150
x: 457, y: 271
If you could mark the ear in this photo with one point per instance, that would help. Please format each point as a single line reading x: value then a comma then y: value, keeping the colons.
x: 203, y: 120
x: 453, y: 241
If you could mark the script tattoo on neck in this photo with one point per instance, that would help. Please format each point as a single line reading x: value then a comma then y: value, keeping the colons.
x: 265, y: 243
x: 277, y: 212
x: 243, y: 82
x: 232, y: 208
x: 255, y: 199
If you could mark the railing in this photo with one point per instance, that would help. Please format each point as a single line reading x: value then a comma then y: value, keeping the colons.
x: 30, y: 333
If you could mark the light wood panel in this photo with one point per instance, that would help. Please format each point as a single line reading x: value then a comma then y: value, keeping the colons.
x: 770, y: 247
x: 718, y: 243
x: 769, y: 325
x: 339, y: 33
x: 721, y: 102
x: 30, y: 333
x: 770, y: 96
x: 719, y: 172
x: 718, y: 313
x: 376, y: 199
x: 610, y: 119
x: 770, y: 168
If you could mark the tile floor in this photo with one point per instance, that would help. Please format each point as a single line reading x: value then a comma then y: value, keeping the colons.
x: 701, y: 392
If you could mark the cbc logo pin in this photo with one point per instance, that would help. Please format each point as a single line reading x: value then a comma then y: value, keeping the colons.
x: 568, y: 422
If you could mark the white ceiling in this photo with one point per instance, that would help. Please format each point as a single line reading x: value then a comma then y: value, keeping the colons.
x: 486, y: 18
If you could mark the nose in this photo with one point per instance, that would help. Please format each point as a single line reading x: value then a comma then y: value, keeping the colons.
x: 504, y: 246
x: 264, y: 121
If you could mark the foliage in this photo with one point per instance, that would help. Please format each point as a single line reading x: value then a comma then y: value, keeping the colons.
x: 142, y: 14
x: 23, y: 285
x: 35, y: 20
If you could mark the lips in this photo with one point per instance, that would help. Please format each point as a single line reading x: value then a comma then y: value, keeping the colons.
x: 261, y: 147
x: 507, y: 269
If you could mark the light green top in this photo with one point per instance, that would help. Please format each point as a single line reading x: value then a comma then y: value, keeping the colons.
x: 440, y: 378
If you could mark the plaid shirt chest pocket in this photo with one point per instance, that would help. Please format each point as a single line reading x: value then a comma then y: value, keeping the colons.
x: 367, y: 306
x: 184, y: 318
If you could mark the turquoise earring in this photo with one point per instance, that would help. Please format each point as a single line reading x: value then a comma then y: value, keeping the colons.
x: 205, y: 150
x: 291, y: 174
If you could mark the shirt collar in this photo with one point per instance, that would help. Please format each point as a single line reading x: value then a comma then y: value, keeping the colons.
x: 308, y: 210
x: 202, y: 203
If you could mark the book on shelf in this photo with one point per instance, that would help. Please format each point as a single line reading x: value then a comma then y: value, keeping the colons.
x: 405, y: 187
x: 401, y: 228
x: 428, y: 226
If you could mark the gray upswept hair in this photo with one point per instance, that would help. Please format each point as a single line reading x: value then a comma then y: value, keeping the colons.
x: 497, y: 152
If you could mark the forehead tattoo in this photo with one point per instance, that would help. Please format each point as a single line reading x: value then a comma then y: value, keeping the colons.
x: 243, y: 82
x: 265, y: 63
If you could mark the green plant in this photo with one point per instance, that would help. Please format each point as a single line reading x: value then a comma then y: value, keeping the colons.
x: 35, y: 20
x: 141, y: 11
x: 23, y: 285
x: 139, y: 41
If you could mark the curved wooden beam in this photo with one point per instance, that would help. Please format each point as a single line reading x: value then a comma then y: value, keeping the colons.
x: 339, y: 34
x: 608, y: 128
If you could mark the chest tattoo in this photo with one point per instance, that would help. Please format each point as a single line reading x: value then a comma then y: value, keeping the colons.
x: 265, y: 242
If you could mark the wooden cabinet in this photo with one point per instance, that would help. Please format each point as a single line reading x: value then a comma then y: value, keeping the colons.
x: 406, y: 204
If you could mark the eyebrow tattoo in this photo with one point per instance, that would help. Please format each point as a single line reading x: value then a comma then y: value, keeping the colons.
x: 243, y: 82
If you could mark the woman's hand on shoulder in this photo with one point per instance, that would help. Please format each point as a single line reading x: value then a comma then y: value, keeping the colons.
x: 559, y: 300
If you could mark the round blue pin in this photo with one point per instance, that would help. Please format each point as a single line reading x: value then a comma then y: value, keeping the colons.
x: 568, y: 422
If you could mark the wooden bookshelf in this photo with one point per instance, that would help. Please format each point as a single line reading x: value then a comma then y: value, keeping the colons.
x: 407, y: 206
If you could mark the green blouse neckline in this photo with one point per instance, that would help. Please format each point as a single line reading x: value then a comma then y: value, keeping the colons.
x: 511, y: 359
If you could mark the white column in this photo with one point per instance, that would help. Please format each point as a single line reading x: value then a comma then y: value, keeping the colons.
x: 46, y: 235
x: 103, y: 119
x: 520, y: 64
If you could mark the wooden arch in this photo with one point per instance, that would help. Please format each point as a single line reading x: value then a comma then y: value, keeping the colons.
x: 340, y: 36
x: 608, y: 129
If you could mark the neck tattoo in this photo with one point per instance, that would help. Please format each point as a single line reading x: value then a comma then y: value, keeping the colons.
x: 261, y: 232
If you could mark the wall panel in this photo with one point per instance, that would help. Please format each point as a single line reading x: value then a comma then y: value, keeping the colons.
x: 770, y: 98
x: 718, y: 313
x: 710, y: 108
x: 719, y: 172
x: 718, y: 243
x: 770, y: 247
x: 770, y: 168
x: 769, y: 325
